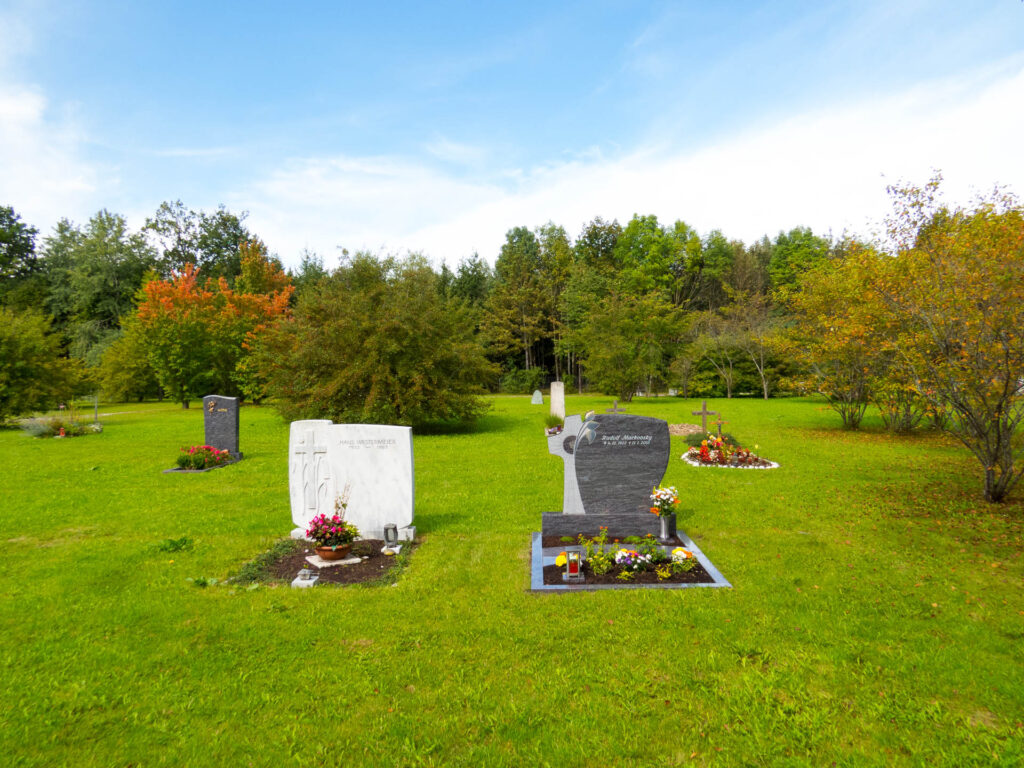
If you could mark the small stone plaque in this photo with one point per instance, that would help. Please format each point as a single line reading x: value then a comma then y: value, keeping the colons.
x: 220, y: 417
x: 619, y: 459
x: 538, y: 398
x: 318, y: 562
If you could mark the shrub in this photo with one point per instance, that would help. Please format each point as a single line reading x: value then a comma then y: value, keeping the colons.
x: 32, y: 377
x: 202, y: 457
x: 377, y: 342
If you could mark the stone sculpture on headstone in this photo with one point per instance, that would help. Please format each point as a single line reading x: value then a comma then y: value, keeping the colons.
x: 375, y: 460
x: 309, y: 483
x: 538, y: 398
x: 704, y: 413
x: 220, y: 420
x: 616, y: 460
x: 558, y: 399
x: 563, y: 445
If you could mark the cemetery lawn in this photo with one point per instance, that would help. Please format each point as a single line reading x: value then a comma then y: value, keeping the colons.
x: 876, y: 616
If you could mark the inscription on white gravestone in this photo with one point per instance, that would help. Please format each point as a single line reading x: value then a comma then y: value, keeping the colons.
x: 375, y: 460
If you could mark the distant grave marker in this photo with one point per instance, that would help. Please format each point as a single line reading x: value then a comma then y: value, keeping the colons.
x: 704, y: 413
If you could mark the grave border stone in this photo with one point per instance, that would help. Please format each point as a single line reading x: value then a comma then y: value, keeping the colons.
x: 541, y: 556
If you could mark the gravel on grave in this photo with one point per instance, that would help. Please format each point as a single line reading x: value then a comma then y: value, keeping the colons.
x: 371, y: 569
x: 682, y: 430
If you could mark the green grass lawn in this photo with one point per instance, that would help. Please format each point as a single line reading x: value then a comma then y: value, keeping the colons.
x: 876, y: 616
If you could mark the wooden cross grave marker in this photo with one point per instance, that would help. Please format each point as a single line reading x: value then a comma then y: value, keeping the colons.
x: 704, y: 413
x: 720, y: 423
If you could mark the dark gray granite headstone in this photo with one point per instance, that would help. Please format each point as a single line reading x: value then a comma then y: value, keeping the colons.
x: 220, y: 416
x: 619, y: 458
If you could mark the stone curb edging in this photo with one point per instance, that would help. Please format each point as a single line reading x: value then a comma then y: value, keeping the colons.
x: 692, y: 463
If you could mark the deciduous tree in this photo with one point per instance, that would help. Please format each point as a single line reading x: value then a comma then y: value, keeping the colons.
x: 953, y: 296
x: 378, y: 342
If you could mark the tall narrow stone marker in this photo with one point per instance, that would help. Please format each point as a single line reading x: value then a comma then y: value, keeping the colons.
x: 558, y: 399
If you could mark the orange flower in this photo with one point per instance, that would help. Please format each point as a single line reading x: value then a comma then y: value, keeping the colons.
x: 654, y: 510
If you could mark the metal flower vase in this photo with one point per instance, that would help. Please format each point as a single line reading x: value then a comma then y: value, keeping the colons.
x: 668, y: 528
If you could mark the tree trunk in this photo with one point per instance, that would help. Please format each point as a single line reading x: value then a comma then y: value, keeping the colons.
x: 184, y: 403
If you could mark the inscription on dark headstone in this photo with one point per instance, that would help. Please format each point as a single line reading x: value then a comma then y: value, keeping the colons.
x: 220, y: 417
x: 618, y: 460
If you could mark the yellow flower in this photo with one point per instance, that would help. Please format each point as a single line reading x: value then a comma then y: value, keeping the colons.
x: 560, y: 560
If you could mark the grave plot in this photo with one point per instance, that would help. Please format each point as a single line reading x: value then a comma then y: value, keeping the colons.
x: 220, y: 426
x: 612, y: 462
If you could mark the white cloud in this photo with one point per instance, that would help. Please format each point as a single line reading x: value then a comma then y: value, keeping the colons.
x: 826, y: 169
x: 44, y: 174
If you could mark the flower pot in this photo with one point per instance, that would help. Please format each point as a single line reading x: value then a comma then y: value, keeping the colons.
x: 339, y: 552
x: 668, y: 528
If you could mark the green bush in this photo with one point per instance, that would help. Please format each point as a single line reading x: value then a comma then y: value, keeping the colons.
x: 32, y: 375
x: 377, y: 342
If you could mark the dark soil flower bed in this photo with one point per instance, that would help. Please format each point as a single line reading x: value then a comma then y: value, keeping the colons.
x: 549, y: 542
x: 285, y: 561
x: 696, y: 575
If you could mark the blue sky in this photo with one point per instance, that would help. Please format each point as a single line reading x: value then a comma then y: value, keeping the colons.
x: 438, y: 126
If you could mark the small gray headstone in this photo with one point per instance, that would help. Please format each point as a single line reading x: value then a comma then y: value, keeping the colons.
x: 538, y: 398
x: 618, y: 460
x: 220, y: 417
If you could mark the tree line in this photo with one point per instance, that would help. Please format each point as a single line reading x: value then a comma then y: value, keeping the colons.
x: 923, y: 321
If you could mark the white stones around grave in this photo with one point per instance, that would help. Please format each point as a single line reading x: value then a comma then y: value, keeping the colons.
x: 538, y: 398
x: 558, y: 399
x: 375, y: 461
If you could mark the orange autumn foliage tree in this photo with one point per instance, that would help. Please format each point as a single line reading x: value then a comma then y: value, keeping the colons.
x: 198, y: 337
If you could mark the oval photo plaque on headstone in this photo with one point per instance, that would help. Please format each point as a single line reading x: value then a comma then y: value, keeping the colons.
x: 618, y: 460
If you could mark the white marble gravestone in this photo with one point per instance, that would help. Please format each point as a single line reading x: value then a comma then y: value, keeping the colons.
x: 538, y: 398
x: 558, y: 399
x: 374, y: 460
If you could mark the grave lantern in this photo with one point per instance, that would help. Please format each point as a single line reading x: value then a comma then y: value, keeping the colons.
x: 573, y: 565
x: 305, y: 579
x: 390, y: 535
